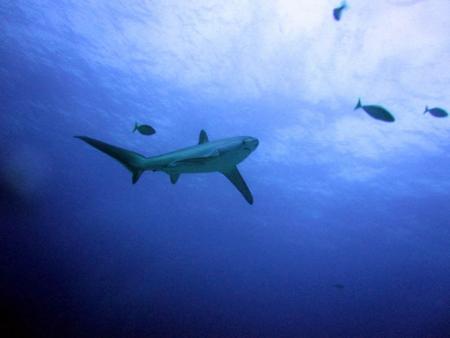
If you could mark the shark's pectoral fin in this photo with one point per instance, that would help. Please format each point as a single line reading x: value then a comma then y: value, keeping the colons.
x: 203, y: 137
x: 174, y: 178
x: 235, y: 177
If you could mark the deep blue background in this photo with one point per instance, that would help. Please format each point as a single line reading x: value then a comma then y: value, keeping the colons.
x: 85, y: 253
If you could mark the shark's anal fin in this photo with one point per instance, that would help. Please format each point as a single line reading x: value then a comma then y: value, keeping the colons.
x: 235, y: 177
x: 174, y: 178
x: 203, y: 137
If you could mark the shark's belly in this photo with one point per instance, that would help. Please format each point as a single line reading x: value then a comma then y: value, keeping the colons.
x: 189, y: 170
x: 199, y: 166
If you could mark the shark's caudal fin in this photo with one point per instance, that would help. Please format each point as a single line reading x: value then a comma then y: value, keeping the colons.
x: 131, y: 160
x: 358, y: 105
x: 426, y: 110
x: 235, y: 177
x: 135, y: 127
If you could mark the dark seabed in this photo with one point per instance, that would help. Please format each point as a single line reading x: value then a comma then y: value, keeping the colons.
x: 349, y: 233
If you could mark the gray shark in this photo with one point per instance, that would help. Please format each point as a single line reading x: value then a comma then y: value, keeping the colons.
x: 207, y: 156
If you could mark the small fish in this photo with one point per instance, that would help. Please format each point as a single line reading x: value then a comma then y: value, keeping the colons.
x: 377, y: 112
x: 337, y: 12
x: 436, y: 112
x: 338, y: 286
x: 144, y: 129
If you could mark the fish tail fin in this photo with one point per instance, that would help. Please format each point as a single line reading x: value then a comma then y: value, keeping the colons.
x: 135, y: 127
x: 134, y: 162
x: 426, y: 110
x: 358, y: 105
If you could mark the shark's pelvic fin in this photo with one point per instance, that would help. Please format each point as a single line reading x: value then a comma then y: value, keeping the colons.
x: 174, y: 178
x: 203, y: 137
x: 235, y: 177
x: 136, y: 175
x: 131, y: 160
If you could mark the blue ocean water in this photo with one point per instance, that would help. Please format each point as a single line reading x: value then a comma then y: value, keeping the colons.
x: 349, y: 234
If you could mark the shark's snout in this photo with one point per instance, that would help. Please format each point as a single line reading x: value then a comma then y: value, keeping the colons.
x: 250, y: 143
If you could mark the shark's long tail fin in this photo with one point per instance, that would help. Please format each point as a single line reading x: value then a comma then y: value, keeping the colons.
x: 134, y: 162
x: 358, y: 105
x: 426, y: 110
x: 135, y: 127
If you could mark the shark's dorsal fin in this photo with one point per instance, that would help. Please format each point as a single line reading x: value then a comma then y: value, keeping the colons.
x: 235, y: 177
x: 174, y: 178
x: 203, y: 137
